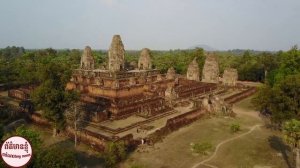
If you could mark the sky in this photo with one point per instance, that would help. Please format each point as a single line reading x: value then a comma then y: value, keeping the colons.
x: 155, y: 24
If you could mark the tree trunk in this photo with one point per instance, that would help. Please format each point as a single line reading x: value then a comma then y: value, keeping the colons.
x: 75, y: 127
x: 266, y: 73
x: 54, y: 131
x: 297, y: 158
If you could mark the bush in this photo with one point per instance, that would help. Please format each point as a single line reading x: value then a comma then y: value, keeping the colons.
x: 235, y: 128
x: 114, y: 153
x: 56, y: 157
x: 202, y: 148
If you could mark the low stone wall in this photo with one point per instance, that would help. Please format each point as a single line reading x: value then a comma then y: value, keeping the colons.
x: 175, y: 123
x: 21, y: 93
x: 18, y: 94
x: 239, y: 96
x: 96, y: 141
x: 119, y: 130
x: 37, y: 118
x: 184, y: 119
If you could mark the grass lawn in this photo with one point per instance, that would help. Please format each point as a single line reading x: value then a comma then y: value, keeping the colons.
x: 262, y: 147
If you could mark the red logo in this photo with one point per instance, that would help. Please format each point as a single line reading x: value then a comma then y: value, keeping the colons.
x: 16, y: 151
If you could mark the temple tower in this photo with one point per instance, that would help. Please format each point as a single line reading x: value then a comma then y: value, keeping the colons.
x: 171, y: 73
x: 210, y: 72
x: 116, y: 54
x: 145, y: 60
x: 193, y: 71
x: 87, y: 60
x: 230, y: 77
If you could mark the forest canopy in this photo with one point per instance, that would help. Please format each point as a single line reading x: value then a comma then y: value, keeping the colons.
x: 21, y: 66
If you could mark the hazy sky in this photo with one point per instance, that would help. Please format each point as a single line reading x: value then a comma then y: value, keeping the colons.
x: 156, y: 24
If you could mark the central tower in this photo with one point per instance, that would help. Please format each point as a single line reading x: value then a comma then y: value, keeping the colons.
x: 116, y: 54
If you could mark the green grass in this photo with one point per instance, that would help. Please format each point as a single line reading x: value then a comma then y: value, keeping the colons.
x: 202, y: 147
x: 260, y: 148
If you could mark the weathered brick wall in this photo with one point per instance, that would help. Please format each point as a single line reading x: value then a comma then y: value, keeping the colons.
x: 18, y: 94
x: 96, y: 141
x: 175, y: 123
x: 239, y: 96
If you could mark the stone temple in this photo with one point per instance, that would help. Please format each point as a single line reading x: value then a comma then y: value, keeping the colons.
x: 210, y: 73
x: 145, y: 60
x: 87, y: 60
x: 230, y: 77
x: 119, y: 99
x: 116, y: 55
x: 193, y: 71
x: 116, y: 93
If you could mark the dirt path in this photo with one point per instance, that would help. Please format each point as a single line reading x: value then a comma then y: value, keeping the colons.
x: 222, y: 143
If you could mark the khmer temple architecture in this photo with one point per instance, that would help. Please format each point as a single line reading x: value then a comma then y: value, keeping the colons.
x: 87, y: 60
x: 133, y: 101
x: 193, y: 71
x: 230, y: 77
x: 116, y: 92
x: 145, y: 60
x: 210, y: 73
x: 116, y: 55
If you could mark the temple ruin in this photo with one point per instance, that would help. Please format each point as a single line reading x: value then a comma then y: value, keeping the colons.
x: 230, y: 77
x: 210, y: 73
x: 193, y: 71
x: 87, y: 60
x: 171, y: 73
x: 119, y: 98
x: 116, y: 93
x: 145, y: 60
x: 116, y: 55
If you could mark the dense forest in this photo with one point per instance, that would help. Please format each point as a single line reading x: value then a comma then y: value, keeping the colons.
x: 21, y: 66
x: 279, y: 97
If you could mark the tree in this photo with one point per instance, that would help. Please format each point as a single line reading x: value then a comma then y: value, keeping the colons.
x: 56, y: 157
x: 34, y: 138
x: 74, y: 115
x: 114, y: 153
x: 279, y: 97
x: 281, y: 100
x: 1, y: 131
x: 292, y: 137
x: 51, y: 96
x: 31, y: 135
x: 289, y: 64
x: 199, y: 54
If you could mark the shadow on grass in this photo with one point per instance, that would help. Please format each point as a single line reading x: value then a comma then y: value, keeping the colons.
x: 276, y: 143
x: 83, y: 158
x: 90, y: 161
